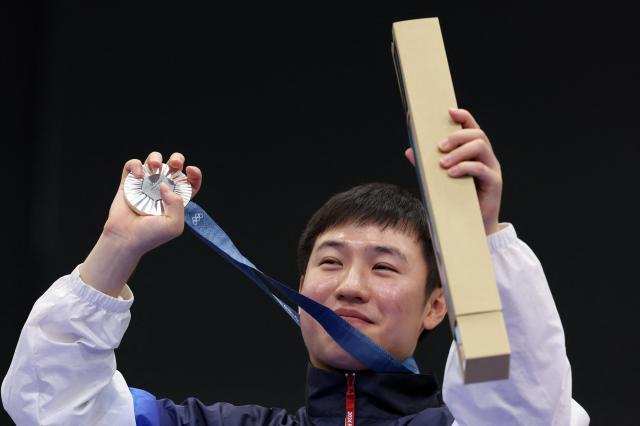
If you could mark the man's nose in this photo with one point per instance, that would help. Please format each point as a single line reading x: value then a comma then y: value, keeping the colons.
x: 353, y: 286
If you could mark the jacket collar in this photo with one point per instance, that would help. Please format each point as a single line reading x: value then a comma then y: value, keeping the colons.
x: 388, y: 395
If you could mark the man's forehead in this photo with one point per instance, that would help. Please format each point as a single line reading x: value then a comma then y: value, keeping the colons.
x: 360, y: 235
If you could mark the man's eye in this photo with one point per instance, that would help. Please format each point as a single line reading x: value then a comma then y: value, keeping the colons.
x: 329, y: 262
x: 385, y: 267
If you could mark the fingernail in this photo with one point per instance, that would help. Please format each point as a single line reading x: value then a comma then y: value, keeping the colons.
x: 453, y: 171
x: 444, y: 144
x: 445, y: 160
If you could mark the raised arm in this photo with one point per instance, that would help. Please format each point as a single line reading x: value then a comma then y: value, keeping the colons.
x: 127, y: 236
x: 64, y: 370
x: 538, y: 390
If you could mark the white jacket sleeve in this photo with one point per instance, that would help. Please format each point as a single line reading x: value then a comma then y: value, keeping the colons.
x: 63, y: 371
x: 538, y: 391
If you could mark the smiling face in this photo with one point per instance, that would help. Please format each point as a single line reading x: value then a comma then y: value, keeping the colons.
x: 374, y: 278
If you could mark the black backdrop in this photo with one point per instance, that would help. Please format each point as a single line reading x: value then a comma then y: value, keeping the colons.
x: 282, y: 108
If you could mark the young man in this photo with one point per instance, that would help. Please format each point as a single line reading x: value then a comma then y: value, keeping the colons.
x: 366, y: 255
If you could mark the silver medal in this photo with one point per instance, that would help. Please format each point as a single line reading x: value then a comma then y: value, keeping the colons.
x: 143, y: 195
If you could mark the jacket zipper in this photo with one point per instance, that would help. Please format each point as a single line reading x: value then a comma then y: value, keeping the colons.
x: 350, y: 412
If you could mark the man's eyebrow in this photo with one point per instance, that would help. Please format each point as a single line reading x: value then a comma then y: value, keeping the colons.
x: 393, y: 251
x: 332, y: 244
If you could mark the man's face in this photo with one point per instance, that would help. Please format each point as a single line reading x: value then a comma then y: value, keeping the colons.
x: 375, y: 279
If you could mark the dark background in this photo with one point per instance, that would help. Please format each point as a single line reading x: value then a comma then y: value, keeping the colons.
x: 282, y: 108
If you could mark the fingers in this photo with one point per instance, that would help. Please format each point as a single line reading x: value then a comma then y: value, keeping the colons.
x: 194, y: 177
x: 176, y: 161
x: 461, y: 163
x: 132, y: 166
x: 477, y: 150
x: 486, y: 177
x: 469, y: 144
x: 464, y: 117
x: 487, y: 181
x: 461, y: 137
x: 154, y: 160
x: 471, y: 131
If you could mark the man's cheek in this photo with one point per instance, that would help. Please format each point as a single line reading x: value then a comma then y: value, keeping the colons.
x: 391, y: 301
x: 319, y: 289
x: 309, y: 326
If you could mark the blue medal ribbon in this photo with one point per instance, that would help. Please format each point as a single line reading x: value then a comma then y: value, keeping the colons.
x: 348, y: 337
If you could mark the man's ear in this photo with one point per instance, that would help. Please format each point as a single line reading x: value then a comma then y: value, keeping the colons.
x: 435, y: 309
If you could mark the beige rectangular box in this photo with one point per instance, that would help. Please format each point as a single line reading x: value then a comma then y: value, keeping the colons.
x: 455, y: 221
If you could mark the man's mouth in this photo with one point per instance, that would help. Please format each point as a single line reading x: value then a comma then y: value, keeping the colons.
x: 353, y: 316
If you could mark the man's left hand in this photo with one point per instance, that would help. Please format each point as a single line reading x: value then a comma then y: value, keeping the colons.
x: 469, y: 153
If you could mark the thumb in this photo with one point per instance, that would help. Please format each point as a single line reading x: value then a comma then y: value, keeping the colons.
x: 174, y: 207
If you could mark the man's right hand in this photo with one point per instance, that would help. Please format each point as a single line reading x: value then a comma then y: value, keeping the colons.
x: 127, y: 236
x: 144, y: 233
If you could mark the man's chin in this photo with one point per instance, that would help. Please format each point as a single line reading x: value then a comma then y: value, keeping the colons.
x: 334, y: 358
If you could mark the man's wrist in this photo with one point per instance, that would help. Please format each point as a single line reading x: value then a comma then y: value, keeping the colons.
x: 110, y: 264
x: 495, y: 228
x: 491, y: 228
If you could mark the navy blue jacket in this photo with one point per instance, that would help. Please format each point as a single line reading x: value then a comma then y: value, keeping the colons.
x: 381, y: 399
